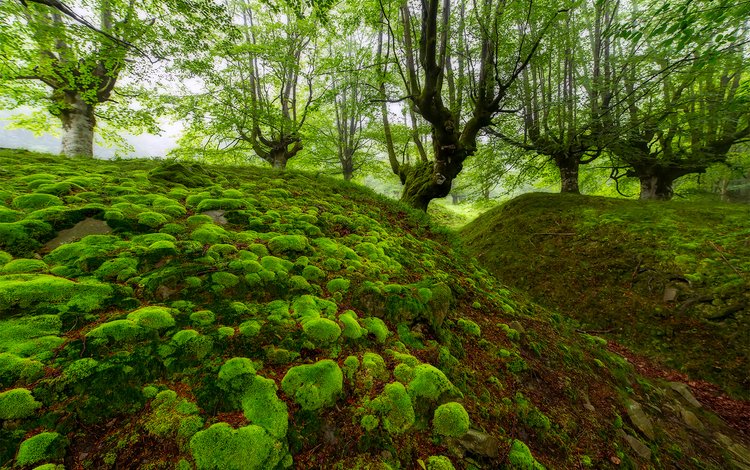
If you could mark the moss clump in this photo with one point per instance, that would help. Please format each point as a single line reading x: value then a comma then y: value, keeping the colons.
x: 376, y: 327
x: 248, y: 448
x: 43, y: 293
x: 174, y: 417
x: 36, y: 201
x: 191, y: 175
x: 17, y: 403
x: 451, y: 419
x: 151, y: 219
x: 250, y: 328
x: 520, y: 457
x: 338, y: 285
x: 429, y: 382
x: 395, y: 408
x: 314, y: 386
x: 263, y: 407
x: 155, y: 318
x: 313, y: 273
x: 203, y: 318
x: 530, y: 415
x: 288, y: 243
x: 352, y: 330
x: 369, y: 422
x: 43, y: 446
x: 468, y: 326
x: 439, y: 462
x: 24, y: 266
x: 236, y: 375
x: 117, y: 330
x: 321, y: 331
x: 222, y: 203
x: 13, y: 368
x: 224, y: 280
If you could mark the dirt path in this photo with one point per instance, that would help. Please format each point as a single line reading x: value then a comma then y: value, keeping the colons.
x: 736, y: 413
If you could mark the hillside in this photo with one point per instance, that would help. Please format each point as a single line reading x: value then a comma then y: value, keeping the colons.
x: 667, y: 279
x: 169, y: 315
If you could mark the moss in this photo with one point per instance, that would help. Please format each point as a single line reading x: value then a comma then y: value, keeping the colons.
x: 429, y: 382
x: 236, y: 374
x: 439, y: 462
x: 161, y: 249
x: 374, y: 364
x: 204, y: 318
x: 369, y: 422
x: 352, y: 329
x: 151, y: 219
x: 5, y: 257
x: 520, y: 457
x: 191, y: 175
x: 222, y: 203
x: 14, y: 368
x: 17, y: 403
x: 376, y: 327
x: 210, y: 234
x: 403, y: 373
x: 263, y: 407
x: 117, y: 330
x: 321, y: 331
x: 451, y: 420
x: 36, y: 201
x: 250, y: 328
x: 155, y: 318
x: 288, y: 244
x: 469, y: 327
x: 172, y: 416
x: 248, y: 448
x: 225, y: 280
x: 313, y: 273
x: 395, y: 408
x: 530, y: 415
x: 43, y: 446
x: 338, y: 285
x: 24, y: 266
x: 314, y: 386
x: 351, y: 366
x: 40, y: 293
x: 221, y: 250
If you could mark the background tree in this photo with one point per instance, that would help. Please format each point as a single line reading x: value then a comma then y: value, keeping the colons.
x: 60, y: 62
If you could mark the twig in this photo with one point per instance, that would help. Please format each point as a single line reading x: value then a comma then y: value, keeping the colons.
x: 713, y: 245
x: 554, y: 233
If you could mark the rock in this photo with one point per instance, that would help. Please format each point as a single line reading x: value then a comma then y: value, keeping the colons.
x: 740, y: 454
x: 691, y: 420
x: 217, y: 215
x: 516, y: 325
x: 639, y: 418
x: 87, y: 226
x: 639, y: 447
x: 670, y: 294
x: 684, y: 390
x: 588, y: 404
x: 481, y: 443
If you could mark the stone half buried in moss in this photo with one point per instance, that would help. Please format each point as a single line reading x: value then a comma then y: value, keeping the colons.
x: 520, y: 457
x: 248, y: 448
x: 17, y: 403
x: 451, y: 419
x: 152, y: 317
x: 43, y: 446
x: 314, y: 386
x: 191, y: 175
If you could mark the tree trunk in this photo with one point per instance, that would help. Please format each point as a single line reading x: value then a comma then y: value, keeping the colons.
x: 426, y: 181
x: 78, y: 123
x: 568, y: 168
x: 279, y: 159
x: 656, y: 186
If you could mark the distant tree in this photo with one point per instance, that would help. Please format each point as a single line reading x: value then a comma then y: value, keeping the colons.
x: 54, y: 57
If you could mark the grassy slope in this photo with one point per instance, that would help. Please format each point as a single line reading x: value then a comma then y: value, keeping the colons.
x: 612, y: 264
x: 91, y: 379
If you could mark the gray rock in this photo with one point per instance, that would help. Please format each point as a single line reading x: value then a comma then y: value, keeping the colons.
x: 639, y: 418
x: 517, y: 326
x: 481, y: 443
x: 691, y: 420
x: 740, y: 454
x: 639, y: 447
x: 684, y: 390
x: 217, y: 216
x: 86, y: 227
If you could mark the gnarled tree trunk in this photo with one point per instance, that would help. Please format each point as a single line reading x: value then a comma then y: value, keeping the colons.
x: 568, y: 166
x: 78, y: 124
x: 657, y: 186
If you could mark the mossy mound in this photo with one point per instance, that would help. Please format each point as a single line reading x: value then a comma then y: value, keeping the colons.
x: 667, y: 279
x: 305, y: 322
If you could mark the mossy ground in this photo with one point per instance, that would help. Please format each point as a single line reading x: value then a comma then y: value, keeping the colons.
x: 667, y: 279
x: 167, y: 342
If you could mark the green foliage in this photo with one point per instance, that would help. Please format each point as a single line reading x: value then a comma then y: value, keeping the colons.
x: 43, y: 446
x: 314, y: 386
x: 17, y: 403
x: 451, y: 419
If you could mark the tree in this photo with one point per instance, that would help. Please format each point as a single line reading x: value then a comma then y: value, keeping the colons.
x: 491, y: 66
x: 257, y: 86
x: 56, y: 58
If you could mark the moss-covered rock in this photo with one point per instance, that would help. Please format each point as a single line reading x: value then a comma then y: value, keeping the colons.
x: 520, y: 457
x: 248, y: 448
x: 451, y: 419
x: 314, y: 386
x: 30, y: 202
x: 43, y: 446
x: 154, y: 317
x: 17, y: 403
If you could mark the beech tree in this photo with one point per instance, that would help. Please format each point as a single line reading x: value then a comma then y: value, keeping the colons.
x: 55, y: 55
x: 494, y: 49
